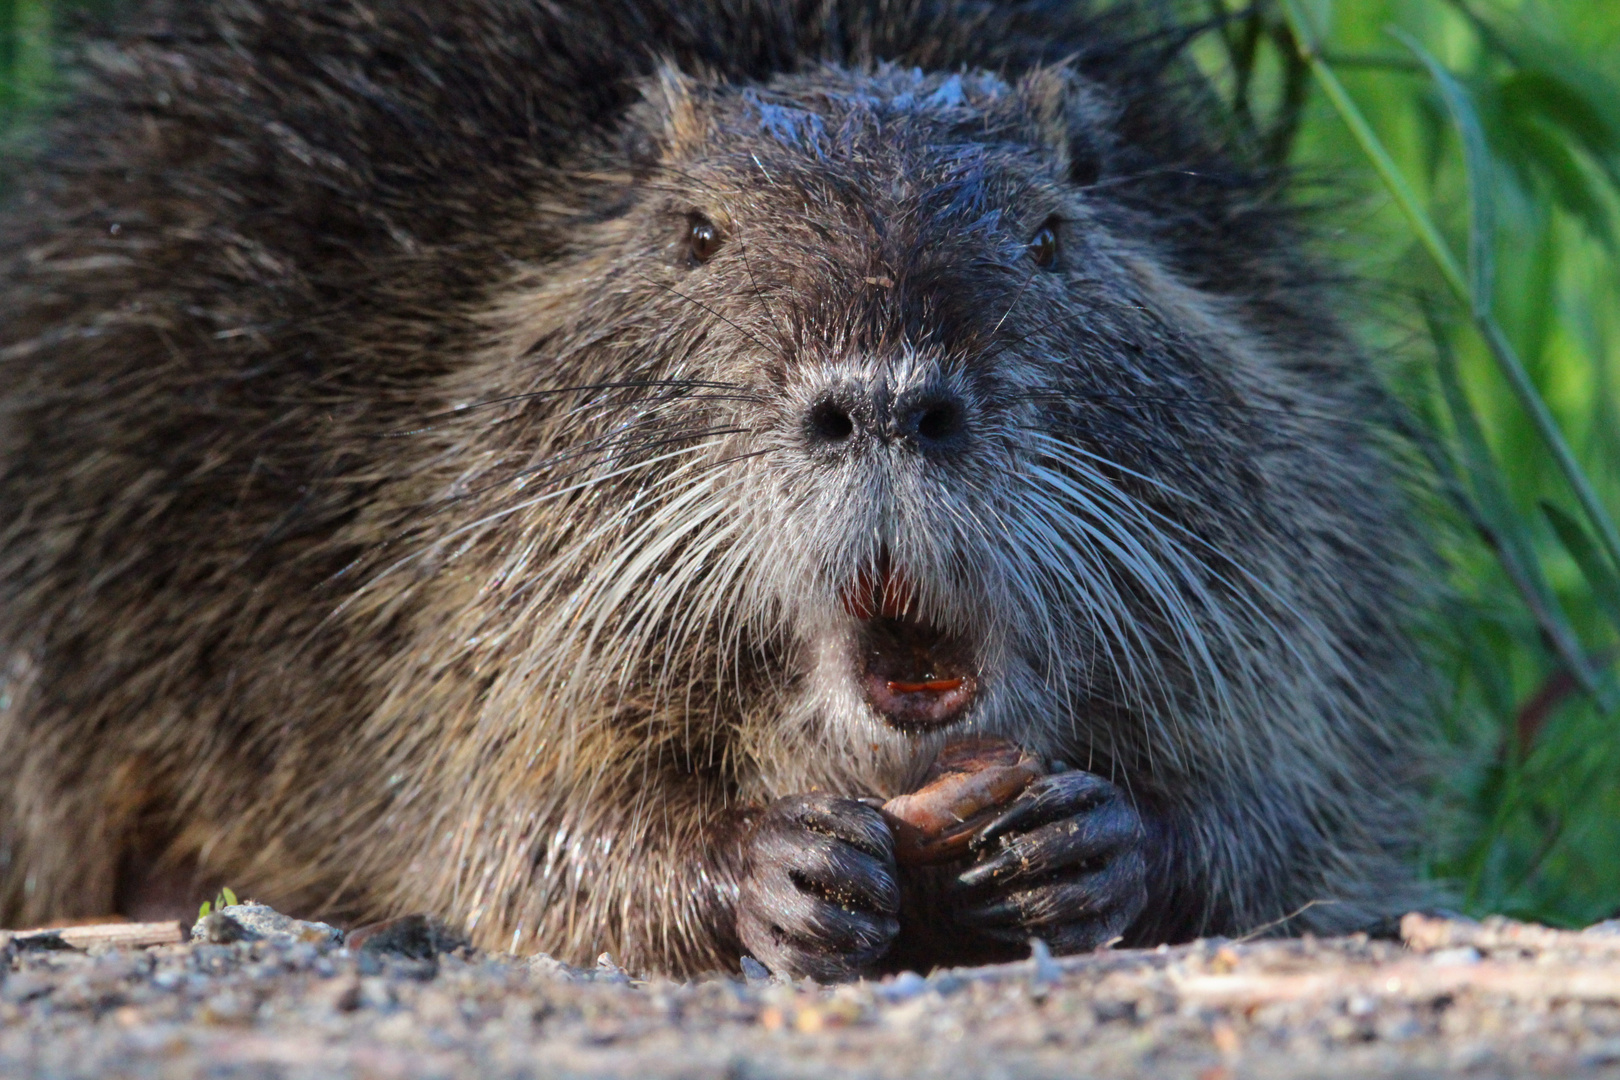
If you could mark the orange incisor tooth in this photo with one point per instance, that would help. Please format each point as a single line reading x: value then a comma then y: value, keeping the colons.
x: 935, y: 686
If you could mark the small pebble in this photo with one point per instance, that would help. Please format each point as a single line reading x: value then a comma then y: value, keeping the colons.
x: 258, y: 922
x: 416, y: 937
x: 906, y: 985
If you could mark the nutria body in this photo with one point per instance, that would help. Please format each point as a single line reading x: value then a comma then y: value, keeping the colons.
x: 542, y: 465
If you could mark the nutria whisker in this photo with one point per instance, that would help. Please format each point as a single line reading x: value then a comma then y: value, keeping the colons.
x: 735, y: 394
x: 614, y: 444
x: 1165, y: 525
x: 1017, y: 296
x: 759, y: 295
x: 1097, y: 541
x: 705, y: 307
x: 1063, y: 396
x: 506, y: 511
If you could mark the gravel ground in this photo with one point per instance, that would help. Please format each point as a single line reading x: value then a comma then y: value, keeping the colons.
x: 1455, y: 998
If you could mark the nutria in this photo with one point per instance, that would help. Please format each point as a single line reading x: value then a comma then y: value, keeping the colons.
x: 558, y: 467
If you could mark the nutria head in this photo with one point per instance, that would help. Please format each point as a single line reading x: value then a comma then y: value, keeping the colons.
x: 859, y: 399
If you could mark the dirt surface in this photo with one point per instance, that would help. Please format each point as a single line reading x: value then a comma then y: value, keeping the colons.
x: 1454, y: 998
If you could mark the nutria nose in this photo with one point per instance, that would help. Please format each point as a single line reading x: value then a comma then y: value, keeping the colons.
x: 929, y: 419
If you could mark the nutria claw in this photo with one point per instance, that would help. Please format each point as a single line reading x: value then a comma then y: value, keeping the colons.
x: 819, y: 894
x: 1065, y: 862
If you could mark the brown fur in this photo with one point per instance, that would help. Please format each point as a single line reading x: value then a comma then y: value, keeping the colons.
x: 317, y: 580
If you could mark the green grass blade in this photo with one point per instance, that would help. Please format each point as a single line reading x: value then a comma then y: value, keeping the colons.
x: 1555, y: 85
x: 1494, y: 515
x: 8, y: 58
x: 1600, y: 578
x: 1477, y: 154
x: 1368, y: 140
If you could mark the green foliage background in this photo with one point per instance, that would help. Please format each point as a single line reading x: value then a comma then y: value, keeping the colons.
x: 1526, y: 817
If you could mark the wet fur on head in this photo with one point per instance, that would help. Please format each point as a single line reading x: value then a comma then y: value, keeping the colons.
x: 406, y: 521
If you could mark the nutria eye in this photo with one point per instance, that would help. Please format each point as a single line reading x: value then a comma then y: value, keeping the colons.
x: 1043, y: 246
x: 703, y: 239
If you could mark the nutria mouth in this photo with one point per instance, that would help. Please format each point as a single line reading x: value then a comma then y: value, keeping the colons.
x: 916, y: 676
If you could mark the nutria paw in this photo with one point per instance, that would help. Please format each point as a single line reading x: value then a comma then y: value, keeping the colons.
x: 819, y: 895
x: 1063, y: 863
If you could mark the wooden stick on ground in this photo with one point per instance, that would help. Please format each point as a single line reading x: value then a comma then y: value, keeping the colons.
x: 112, y: 935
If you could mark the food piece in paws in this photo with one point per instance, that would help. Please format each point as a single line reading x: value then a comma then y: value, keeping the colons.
x: 970, y: 781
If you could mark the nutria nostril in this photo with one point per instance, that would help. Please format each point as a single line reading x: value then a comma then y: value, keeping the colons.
x: 940, y: 421
x: 830, y: 422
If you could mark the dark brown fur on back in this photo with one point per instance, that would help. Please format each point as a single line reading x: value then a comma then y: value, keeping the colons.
x: 396, y: 519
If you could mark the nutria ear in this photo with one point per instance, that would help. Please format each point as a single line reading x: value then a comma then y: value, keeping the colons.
x: 1072, y: 116
x: 667, y: 121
